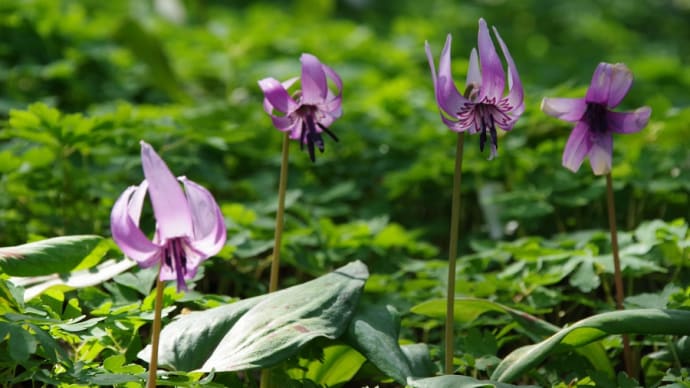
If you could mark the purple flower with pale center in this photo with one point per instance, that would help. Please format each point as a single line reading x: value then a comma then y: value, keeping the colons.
x: 309, y: 111
x: 595, y: 121
x: 189, y: 225
x: 483, y: 107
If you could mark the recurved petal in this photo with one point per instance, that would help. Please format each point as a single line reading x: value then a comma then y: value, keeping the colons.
x: 282, y: 123
x: 474, y: 76
x: 126, y: 233
x: 600, y: 154
x: 209, y: 224
x: 568, y: 109
x: 629, y: 122
x: 493, y: 77
x: 276, y: 96
x: 333, y: 101
x: 314, y: 83
x: 577, y: 147
x: 167, y: 199
x: 447, y: 95
x: 621, y: 80
x: 516, y: 94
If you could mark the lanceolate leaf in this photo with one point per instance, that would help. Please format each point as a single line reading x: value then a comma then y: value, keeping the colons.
x: 643, y: 321
x: 279, y: 325
x: 468, y: 309
x: 265, y: 330
x: 53, y: 255
x: 189, y: 340
x: 456, y: 382
x: 373, y: 331
x: 77, y: 279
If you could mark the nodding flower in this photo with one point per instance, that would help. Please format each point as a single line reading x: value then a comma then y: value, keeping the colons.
x: 189, y: 225
x: 483, y: 106
x: 308, y: 112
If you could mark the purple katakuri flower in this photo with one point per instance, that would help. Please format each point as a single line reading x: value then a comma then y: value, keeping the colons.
x: 309, y: 111
x: 189, y: 225
x: 595, y: 121
x: 483, y: 107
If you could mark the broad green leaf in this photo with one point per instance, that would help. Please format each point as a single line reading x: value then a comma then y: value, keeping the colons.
x: 455, y: 382
x: 78, y: 279
x: 190, y: 339
x: 373, y: 331
x: 642, y: 321
x: 419, y: 358
x: 283, y: 321
x: 50, y: 256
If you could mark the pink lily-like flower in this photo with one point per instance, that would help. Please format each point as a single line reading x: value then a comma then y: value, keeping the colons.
x: 595, y: 121
x: 483, y: 107
x: 309, y: 111
x: 189, y: 225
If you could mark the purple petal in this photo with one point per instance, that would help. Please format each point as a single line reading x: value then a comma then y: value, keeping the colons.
x: 283, y: 124
x: 169, y: 203
x: 208, y: 221
x: 568, y: 109
x: 126, y: 233
x: 629, y: 122
x: 276, y: 96
x: 598, y: 91
x: 621, y: 80
x: 578, y: 147
x: 516, y: 94
x: 474, y: 77
x: 314, y: 84
x: 447, y: 95
x: 600, y: 153
x: 493, y: 77
x: 333, y: 101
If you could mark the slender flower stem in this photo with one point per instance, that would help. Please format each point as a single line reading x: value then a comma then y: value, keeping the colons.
x: 617, y: 275
x: 155, y: 336
x: 282, y: 187
x: 452, y: 254
x: 275, y: 262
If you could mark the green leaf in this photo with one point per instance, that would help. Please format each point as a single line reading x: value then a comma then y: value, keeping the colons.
x: 455, y: 382
x: 642, y: 321
x: 50, y: 256
x: 419, y: 358
x: 280, y: 324
x: 340, y: 363
x: 264, y: 330
x: 190, y: 339
x: 468, y: 309
x: 373, y: 331
x: 77, y: 279
x: 21, y: 344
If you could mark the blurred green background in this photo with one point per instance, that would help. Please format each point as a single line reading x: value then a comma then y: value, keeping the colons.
x: 83, y: 81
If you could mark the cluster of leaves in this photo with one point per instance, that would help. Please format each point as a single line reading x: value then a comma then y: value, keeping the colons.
x: 83, y: 81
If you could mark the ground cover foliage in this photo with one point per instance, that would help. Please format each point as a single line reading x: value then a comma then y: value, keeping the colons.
x: 82, y: 82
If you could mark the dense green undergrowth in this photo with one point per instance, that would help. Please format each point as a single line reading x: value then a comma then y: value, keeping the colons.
x: 81, y: 82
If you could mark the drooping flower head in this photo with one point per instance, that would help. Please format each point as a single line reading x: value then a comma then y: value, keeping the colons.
x: 189, y: 225
x: 483, y: 107
x: 595, y: 121
x: 308, y: 112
